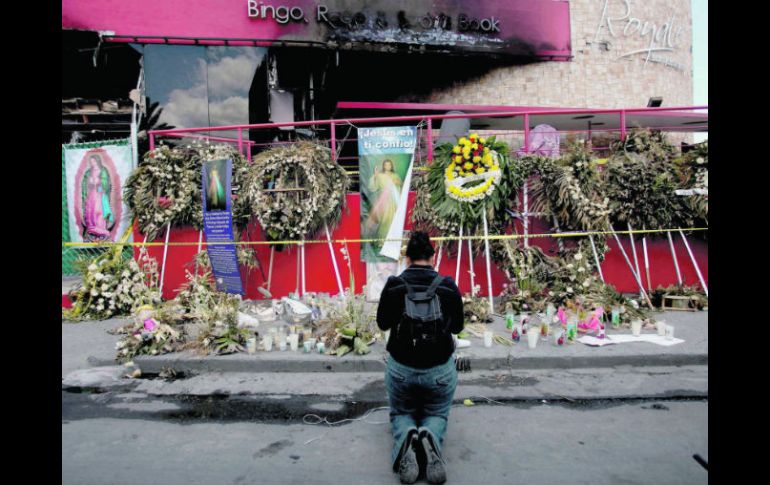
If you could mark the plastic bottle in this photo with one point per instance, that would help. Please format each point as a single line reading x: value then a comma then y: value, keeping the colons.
x: 509, y: 316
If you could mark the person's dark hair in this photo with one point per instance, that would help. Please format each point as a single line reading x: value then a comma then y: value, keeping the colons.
x: 419, y: 246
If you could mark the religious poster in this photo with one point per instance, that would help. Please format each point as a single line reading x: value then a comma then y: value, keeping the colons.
x: 95, y: 174
x: 218, y: 224
x: 385, y: 156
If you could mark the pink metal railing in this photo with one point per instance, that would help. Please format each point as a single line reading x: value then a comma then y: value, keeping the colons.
x: 428, y: 119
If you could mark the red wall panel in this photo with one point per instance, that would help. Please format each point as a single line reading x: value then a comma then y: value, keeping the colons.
x: 320, y: 273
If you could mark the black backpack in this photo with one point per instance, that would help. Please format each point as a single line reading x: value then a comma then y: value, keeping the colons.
x: 422, y: 321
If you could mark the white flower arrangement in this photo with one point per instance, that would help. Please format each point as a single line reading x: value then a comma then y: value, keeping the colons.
x: 306, y: 190
x: 113, y: 286
x: 166, y: 187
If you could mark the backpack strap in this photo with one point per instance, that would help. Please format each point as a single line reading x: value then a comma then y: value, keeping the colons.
x: 431, y: 291
x: 409, y: 289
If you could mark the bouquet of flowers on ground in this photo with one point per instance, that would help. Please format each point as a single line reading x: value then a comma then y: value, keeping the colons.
x: 476, y: 309
x: 348, y: 326
x: 215, y: 312
x: 113, y: 285
x: 147, y: 336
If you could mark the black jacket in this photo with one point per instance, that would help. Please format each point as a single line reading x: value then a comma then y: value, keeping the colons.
x: 391, y: 309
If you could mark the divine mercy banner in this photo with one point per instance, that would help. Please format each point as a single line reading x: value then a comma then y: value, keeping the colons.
x: 385, y: 156
x: 218, y: 224
x: 94, y: 175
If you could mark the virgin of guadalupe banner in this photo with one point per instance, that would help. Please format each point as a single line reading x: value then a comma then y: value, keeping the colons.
x: 94, y: 174
x: 385, y: 157
x: 218, y: 224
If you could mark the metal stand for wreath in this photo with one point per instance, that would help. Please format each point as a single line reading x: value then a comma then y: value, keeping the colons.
x: 489, y: 271
x: 459, y: 256
x: 270, y: 269
x: 673, y: 255
x: 636, y: 259
x: 165, y: 251
x: 596, y: 257
x: 200, y: 243
x: 630, y: 267
x: 694, y: 263
x: 334, y: 260
x: 646, y: 261
x: 470, y: 268
x: 302, y: 259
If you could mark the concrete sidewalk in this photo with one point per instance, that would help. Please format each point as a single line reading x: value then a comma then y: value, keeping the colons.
x: 88, y: 344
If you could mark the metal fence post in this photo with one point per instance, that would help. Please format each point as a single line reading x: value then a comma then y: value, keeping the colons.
x: 333, y: 141
x: 525, y: 214
x: 622, y: 124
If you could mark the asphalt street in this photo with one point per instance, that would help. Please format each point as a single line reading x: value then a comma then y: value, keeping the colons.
x: 109, y: 441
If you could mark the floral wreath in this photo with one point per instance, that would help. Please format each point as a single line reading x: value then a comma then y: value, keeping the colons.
x: 464, y: 180
x: 295, y: 190
x: 472, y: 161
x: 166, y: 187
x: 640, y: 181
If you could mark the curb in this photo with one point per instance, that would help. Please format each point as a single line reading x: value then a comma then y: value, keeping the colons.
x: 248, y: 363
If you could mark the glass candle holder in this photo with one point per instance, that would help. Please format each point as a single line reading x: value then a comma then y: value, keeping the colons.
x: 550, y: 311
x: 251, y: 345
x: 532, y: 337
x: 559, y: 336
x: 488, y: 338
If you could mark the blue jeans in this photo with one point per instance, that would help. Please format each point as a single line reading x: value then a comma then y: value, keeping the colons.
x: 420, y: 399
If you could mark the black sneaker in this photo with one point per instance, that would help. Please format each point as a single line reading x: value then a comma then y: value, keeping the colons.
x: 435, y: 470
x: 408, y: 469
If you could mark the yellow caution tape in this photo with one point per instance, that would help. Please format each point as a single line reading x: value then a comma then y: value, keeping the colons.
x: 491, y: 237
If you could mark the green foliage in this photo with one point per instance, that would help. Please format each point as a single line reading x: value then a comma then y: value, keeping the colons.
x: 640, y: 181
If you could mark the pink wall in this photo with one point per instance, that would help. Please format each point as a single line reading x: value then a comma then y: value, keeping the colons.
x: 540, y: 27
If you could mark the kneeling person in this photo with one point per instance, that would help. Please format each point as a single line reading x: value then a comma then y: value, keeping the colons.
x: 422, y: 310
